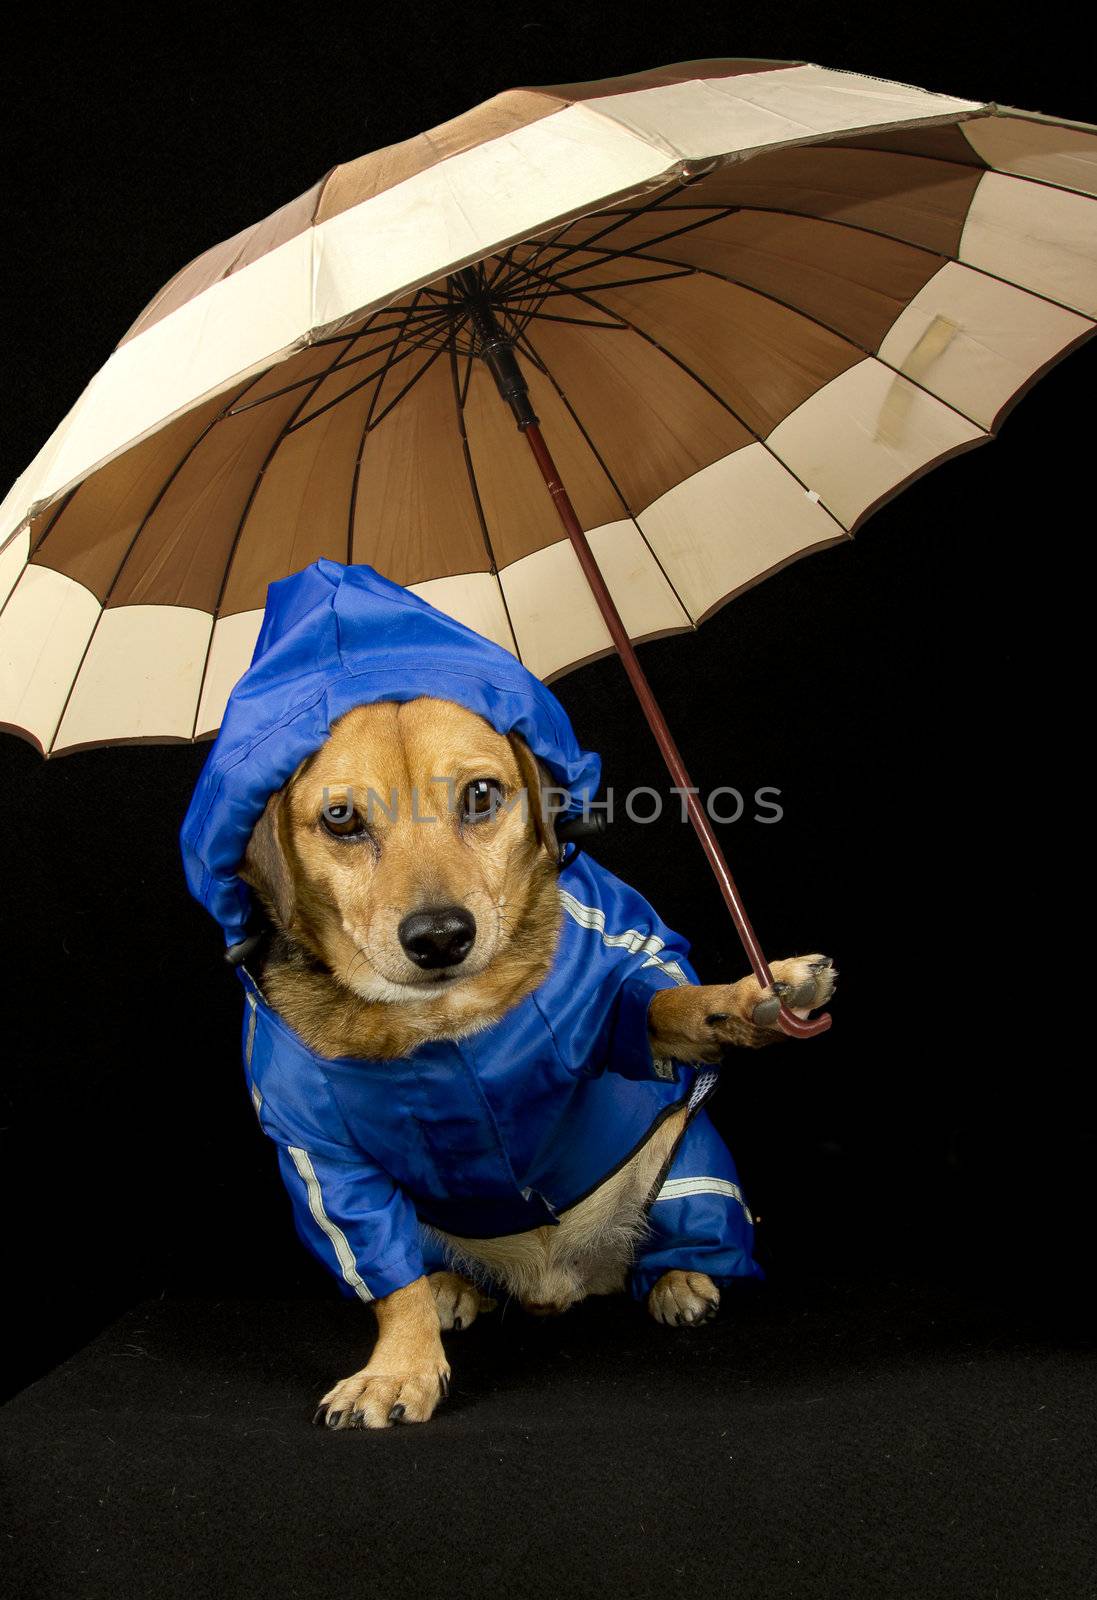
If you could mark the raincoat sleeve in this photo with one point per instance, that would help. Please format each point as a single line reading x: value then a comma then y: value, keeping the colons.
x: 627, y: 954
x: 346, y: 1208
x: 353, y: 1217
x: 630, y: 1045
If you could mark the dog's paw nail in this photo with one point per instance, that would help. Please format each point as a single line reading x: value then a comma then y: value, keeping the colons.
x: 397, y: 1412
x: 823, y: 961
x: 780, y: 987
x: 714, y: 1018
x: 357, y: 1419
x: 334, y: 1418
x: 458, y: 1323
x: 318, y: 1419
x: 443, y: 1383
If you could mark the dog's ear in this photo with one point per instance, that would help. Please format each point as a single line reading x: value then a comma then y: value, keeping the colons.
x: 536, y: 778
x: 265, y: 867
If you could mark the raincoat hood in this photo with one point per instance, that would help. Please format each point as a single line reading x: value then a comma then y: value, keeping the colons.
x: 334, y: 637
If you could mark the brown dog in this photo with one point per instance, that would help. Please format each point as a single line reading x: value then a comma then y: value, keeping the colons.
x: 344, y: 969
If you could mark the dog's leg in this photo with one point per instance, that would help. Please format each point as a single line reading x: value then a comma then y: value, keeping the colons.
x: 458, y: 1301
x: 697, y: 1022
x: 684, y: 1299
x: 407, y: 1373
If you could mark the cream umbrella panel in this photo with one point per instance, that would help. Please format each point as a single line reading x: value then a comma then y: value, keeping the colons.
x: 750, y: 301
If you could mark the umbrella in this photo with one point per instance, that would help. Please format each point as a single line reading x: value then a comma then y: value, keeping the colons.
x: 733, y: 306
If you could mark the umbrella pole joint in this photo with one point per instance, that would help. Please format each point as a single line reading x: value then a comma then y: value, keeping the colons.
x: 497, y: 350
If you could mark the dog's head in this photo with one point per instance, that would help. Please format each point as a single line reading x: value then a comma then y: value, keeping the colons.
x: 407, y: 852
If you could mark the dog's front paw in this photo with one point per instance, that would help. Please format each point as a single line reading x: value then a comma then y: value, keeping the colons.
x: 458, y: 1301
x: 698, y: 1022
x: 372, y: 1399
x: 684, y: 1299
x: 801, y: 983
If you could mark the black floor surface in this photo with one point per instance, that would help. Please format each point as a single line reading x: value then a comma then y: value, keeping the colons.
x: 818, y: 1439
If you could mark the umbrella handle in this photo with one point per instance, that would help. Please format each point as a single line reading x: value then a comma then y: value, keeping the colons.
x: 796, y: 1027
x: 496, y: 347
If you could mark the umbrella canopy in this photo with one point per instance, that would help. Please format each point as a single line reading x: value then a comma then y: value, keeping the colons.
x: 750, y: 300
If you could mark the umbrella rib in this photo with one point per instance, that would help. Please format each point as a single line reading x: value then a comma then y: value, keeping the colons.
x: 763, y: 294
x: 517, y: 270
x: 636, y: 211
x: 504, y: 260
x: 854, y: 227
x: 390, y: 362
x: 853, y: 343
x: 412, y: 381
x: 368, y: 327
x: 459, y: 411
x: 162, y: 491
x: 910, y: 244
x: 548, y: 271
x: 942, y: 255
x: 684, y: 271
x: 777, y: 211
x: 686, y: 368
x: 975, y: 165
x: 467, y: 380
x: 612, y: 480
x: 339, y: 366
x: 718, y: 214
x: 519, y: 322
x: 230, y: 557
x: 352, y: 508
x: 787, y: 305
x: 530, y: 351
x: 578, y: 322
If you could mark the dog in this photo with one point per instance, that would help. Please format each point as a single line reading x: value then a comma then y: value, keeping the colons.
x: 411, y: 899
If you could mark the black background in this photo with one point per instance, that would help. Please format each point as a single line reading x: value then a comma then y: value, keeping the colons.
x: 916, y: 696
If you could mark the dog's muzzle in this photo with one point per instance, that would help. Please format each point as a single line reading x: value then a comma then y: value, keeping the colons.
x: 441, y: 936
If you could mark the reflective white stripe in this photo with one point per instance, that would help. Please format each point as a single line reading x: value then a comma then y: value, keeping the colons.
x: 343, y: 1252
x: 676, y: 1188
x: 256, y: 1097
x: 594, y: 918
x: 250, y: 1046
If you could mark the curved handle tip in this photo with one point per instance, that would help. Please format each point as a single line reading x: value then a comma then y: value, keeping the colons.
x: 802, y: 1027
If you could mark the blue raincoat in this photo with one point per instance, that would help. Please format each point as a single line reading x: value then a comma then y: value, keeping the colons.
x: 501, y: 1131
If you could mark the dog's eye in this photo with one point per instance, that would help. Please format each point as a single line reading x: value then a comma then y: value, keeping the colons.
x: 480, y: 799
x: 340, y: 819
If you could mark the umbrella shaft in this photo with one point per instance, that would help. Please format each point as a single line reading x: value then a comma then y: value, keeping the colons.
x: 648, y: 703
x: 658, y: 724
x: 495, y: 346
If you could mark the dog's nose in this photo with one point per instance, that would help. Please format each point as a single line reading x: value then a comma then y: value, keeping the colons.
x: 440, y: 937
